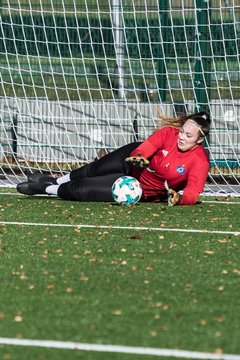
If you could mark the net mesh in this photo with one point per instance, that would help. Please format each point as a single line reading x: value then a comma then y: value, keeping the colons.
x: 80, y: 78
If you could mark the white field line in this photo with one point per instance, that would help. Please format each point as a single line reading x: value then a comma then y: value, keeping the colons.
x: 109, y: 227
x: 118, y: 349
x: 220, y: 202
x: 202, y: 201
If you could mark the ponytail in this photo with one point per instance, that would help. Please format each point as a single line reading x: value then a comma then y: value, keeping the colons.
x: 201, y: 119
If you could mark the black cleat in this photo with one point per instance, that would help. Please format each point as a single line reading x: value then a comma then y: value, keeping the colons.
x: 31, y: 188
x: 38, y: 177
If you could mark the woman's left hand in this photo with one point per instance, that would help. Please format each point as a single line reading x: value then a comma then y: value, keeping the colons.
x: 174, y: 198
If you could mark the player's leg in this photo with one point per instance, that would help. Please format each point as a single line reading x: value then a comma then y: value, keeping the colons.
x: 89, y: 189
x: 113, y: 162
x: 97, y: 188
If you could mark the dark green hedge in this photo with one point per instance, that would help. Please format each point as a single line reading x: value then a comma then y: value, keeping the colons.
x: 68, y: 36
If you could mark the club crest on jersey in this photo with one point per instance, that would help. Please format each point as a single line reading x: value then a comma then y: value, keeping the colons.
x: 181, y: 169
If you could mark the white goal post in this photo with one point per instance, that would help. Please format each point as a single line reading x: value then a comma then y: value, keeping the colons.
x: 79, y: 78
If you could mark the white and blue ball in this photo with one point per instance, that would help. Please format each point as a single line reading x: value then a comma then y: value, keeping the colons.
x: 126, y: 190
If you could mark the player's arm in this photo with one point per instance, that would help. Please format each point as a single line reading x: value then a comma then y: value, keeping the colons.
x: 138, y: 160
x: 146, y: 149
x: 195, y: 185
x: 139, y: 156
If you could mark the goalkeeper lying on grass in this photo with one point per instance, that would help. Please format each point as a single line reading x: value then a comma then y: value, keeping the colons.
x: 173, y: 153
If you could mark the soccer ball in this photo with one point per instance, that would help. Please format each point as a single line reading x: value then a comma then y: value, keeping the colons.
x: 126, y: 190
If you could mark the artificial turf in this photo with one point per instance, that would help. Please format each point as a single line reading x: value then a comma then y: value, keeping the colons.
x: 147, y: 288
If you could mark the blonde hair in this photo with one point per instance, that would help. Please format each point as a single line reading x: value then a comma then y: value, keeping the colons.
x: 201, y: 119
x: 176, y: 122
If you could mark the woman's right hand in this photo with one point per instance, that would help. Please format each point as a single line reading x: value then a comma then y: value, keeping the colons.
x: 138, y: 161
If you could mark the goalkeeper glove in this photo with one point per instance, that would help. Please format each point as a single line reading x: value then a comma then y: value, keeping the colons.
x: 139, y: 161
x: 174, y: 198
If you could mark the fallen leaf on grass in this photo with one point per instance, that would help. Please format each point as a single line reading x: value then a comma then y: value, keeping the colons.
x: 87, y: 252
x: 18, y: 318
x: 149, y: 268
x: 223, y: 198
x: 236, y: 271
x: 69, y: 290
x: 50, y: 286
x: 94, y: 260
x: 134, y: 268
x: 154, y: 333
x: 221, y: 319
x: 117, y: 312
x: 83, y: 278
x: 164, y: 328
x: 203, y: 322
x: 223, y: 241
x: 214, y: 219
x: 75, y: 257
x: 135, y: 237
x: 58, y: 250
x: 209, y: 252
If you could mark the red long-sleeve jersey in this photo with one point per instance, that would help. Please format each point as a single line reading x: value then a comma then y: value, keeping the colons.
x: 185, y: 171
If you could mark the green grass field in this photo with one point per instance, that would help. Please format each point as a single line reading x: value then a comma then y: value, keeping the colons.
x: 157, y: 281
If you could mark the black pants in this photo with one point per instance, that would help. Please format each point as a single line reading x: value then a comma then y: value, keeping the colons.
x: 94, y: 181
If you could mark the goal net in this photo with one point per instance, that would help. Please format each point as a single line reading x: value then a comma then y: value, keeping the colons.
x: 80, y: 78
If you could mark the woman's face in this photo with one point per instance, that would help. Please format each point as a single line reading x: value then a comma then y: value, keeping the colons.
x: 188, y: 137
